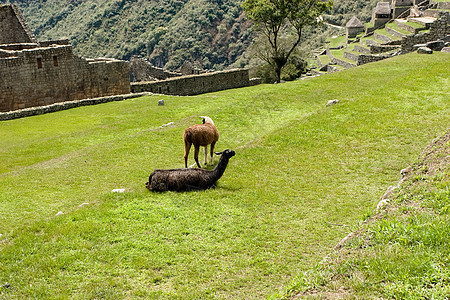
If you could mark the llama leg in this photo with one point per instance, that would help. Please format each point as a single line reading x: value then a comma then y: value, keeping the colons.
x: 187, y: 148
x: 206, y: 155
x: 197, y: 150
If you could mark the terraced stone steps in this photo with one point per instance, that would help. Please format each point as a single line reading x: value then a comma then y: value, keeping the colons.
x: 338, y: 58
x: 369, y: 41
x: 362, y: 49
x: 394, y: 30
x: 352, y: 55
x: 411, y: 26
x: 381, y: 44
x: 382, y: 37
x: 423, y: 21
x: 323, y: 60
x: 345, y: 63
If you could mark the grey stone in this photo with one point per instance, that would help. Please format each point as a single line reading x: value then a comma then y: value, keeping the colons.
x: 446, y: 49
x: 332, y: 102
x: 435, y: 45
x: 424, y: 50
x: 417, y: 46
x: 446, y: 38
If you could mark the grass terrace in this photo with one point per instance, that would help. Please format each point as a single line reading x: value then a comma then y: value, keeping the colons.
x: 335, y: 42
x: 324, y: 59
x: 414, y: 25
x: 304, y: 176
x: 396, y: 28
x: 384, y: 32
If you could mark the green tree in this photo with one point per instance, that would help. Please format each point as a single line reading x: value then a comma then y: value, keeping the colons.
x: 280, y: 18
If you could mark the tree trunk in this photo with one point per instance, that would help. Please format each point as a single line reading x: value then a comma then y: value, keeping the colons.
x: 279, y: 62
x: 278, y: 72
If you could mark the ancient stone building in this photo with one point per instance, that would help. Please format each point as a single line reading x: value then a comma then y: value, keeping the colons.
x: 353, y: 27
x: 34, y: 73
x: 381, y: 14
x: 13, y: 27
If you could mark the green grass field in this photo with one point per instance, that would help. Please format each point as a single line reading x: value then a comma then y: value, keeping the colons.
x: 301, y: 171
x: 402, y: 252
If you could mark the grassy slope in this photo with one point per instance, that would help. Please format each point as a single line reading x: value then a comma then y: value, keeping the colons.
x: 300, y: 168
x: 403, y: 250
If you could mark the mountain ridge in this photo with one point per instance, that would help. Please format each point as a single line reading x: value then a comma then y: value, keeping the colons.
x: 211, y: 34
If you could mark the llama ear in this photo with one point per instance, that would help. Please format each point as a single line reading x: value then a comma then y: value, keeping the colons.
x: 203, y: 117
x: 218, y: 153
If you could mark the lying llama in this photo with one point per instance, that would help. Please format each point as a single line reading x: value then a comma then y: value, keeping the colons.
x: 200, y: 135
x: 180, y: 180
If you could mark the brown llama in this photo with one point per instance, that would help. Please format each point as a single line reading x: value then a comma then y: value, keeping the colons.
x: 200, y: 135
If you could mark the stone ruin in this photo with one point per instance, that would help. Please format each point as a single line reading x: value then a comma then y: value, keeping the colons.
x: 401, y: 27
x: 354, y: 27
x: 381, y: 14
x: 34, y: 73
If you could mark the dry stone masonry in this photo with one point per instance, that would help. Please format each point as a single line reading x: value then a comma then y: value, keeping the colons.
x: 439, y: 29
x: 34, y: 74
x: 195, y: 84
x: 423, y: 25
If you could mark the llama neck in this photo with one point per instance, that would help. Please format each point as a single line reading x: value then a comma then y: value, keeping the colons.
x: 220, y: 168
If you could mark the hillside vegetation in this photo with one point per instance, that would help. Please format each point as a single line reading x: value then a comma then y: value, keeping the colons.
x: 212, y: 34
x: 403, y: 250
x: 304, y: 176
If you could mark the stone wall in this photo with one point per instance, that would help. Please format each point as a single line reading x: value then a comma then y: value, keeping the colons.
x: 39, y: 74
x: 438, y: 30
x: 42, y: 76
x: 351, y: 56
x: 361, y: 49
x: 365, y: 59
x: 353, y: 31
x: 195, y: 84
x: 382, y: 48
x: 142, y: 70
x: 442, y: 5
x: 40, y: 110
x: 13, y: 28
x: 15, y: 47
x: 402, y: 11
x: 54, y: 42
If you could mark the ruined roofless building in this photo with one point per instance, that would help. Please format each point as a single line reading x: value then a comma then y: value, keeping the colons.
x: 34, y: 73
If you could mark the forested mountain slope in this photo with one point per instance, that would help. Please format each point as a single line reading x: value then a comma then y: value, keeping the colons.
x: 213, y: 34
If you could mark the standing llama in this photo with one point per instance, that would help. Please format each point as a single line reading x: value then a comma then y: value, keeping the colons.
x: 200, y: 135
x: 185, y: 179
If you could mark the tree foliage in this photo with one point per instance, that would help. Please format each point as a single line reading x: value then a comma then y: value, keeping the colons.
x: 276, y: 19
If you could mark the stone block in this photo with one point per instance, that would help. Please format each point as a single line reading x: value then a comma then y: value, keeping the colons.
x: 435, y: 45
x: 424, y: 50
